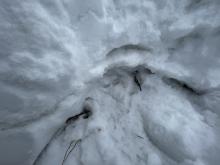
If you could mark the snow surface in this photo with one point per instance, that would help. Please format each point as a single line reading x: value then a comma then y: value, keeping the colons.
x: 60, y: 56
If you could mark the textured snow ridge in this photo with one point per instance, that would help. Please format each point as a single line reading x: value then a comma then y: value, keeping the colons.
x: 109, y: 82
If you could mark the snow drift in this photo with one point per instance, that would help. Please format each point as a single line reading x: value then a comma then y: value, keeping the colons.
x: 148, y: 71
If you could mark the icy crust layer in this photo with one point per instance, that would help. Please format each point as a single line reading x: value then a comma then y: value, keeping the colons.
x: 54, y: 54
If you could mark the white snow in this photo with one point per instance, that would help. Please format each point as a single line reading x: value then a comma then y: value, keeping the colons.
x: 59, y: 56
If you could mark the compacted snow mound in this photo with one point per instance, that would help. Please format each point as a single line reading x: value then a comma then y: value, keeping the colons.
x: 109, y: 82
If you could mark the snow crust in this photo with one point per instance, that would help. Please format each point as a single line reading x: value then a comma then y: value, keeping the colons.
x: 59, y: 56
